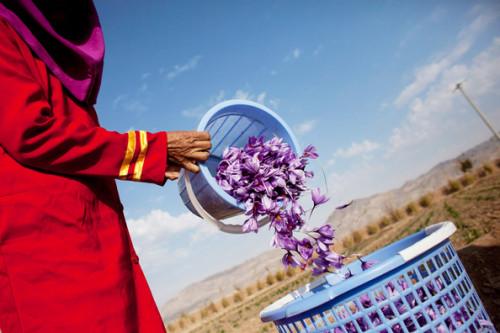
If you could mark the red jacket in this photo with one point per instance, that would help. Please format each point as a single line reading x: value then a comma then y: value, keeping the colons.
x: 66, y: 260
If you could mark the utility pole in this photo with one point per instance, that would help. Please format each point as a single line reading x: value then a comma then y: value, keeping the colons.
x: 459, y: 87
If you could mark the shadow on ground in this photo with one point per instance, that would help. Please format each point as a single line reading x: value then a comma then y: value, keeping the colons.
x: 482, y: 264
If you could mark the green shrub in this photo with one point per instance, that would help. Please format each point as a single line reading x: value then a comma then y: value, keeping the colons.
x: 411, y: 208
x: 259, y: 285
x: 224, y: 302
x: 204, y: 312
x: 348, y: 242
x: 280, y: 275
x: 372, y: 228
x: 397, y: 215
x: 237, y: 297
x: 357, y: 236
x: 425, y: 201
x: 212, y: 307
x: 453, y: 186
x: 270, y: 279
x: 467, y: 179
x: 384, y: 222
x: 465, y: 165
x: 291, y: 271
x: 488, y: 168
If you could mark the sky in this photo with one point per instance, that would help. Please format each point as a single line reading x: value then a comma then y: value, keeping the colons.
x: 369, y: 83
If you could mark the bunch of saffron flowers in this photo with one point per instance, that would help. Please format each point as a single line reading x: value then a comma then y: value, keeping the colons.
x: 269, y: 178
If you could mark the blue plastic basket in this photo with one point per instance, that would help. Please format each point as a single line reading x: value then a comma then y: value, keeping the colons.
x: 230, y: 124
x: 418, y: 285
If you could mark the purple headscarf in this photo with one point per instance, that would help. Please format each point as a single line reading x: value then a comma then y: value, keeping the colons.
x: 66, y: 35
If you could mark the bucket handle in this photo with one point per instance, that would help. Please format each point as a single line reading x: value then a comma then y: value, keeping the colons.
x: 229, y: 228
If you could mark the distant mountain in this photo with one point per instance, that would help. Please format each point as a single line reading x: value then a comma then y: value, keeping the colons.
x: 366, y: 210
x: 360, y: 213
x: 224, y: 283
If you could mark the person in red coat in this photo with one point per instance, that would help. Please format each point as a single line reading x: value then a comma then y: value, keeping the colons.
x: 67, y: 263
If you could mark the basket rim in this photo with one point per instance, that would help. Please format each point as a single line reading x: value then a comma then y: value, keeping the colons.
x: 334, y: 285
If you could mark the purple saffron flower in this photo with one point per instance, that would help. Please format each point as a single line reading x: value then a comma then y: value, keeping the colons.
x: 325, y: 231
x: 305, y: 248
x: 485, y: 323
x: 231, y: 153
x: 252, y: 165
x: 310, y: 152
x: 250, y: 225
x: 317, y: 198
x: 367, y: 264
x: 269, y: 178
x: 335, y: 260
x: 290, y: 260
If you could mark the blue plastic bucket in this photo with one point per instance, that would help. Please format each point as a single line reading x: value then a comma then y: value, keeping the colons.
x: 230, y: 124
x: 419, y: 285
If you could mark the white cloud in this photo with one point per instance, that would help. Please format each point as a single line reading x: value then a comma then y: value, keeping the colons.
x: 274, y: 103
x: 318, y: 50
x: 118, y: 100
x: 196, y: 112
x: 438, y: 111
x: 360, y: 180
x: 306, y: 126
x: 127, y: 103
x: 261, y: 98
x: 246, y: 95
x: 152, y: 233
x: 429, y: 73
x: 200, y: 110
x: 330, y: 162
x: 364, y: 147
x: 240, y: 94
x: 293, y: 55
x: 179, y: 69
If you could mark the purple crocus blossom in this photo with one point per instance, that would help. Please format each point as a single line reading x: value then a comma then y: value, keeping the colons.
x: 367, y: 264
x: 317, y: 198
x: 310, y: 151
x: 269, y: 178
x: 290, y: 260
x: 250, y: 225
x: 305, y: 248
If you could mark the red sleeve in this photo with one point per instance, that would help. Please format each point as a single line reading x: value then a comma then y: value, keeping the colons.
x: 37, y: 135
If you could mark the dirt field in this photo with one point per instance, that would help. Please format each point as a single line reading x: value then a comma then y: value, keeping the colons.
x: 475, y: 210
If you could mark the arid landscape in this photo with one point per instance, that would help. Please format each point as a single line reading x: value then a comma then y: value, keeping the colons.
x: 471, y: 201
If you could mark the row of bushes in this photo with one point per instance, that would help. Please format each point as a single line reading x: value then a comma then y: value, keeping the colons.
x: 239, y: 295
x: 411, y: 208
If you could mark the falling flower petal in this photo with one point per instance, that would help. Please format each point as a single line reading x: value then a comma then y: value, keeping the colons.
x: 344, y: 206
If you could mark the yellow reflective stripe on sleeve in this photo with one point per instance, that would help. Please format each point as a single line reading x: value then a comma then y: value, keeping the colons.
x: 139, y: 164
x: 129, y: 154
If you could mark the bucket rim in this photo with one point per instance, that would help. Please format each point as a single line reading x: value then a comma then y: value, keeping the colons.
x: 202, y: 127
